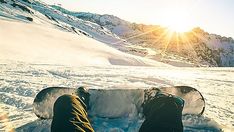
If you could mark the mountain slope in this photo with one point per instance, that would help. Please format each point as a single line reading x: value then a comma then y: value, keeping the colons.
x: 149, y: 41
x: 35, y: 44
x: 208, y: 49
x: 41, y: 41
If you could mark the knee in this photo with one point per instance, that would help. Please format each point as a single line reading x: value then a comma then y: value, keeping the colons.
x: 63, y: 103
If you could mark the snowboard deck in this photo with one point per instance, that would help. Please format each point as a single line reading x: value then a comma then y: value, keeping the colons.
x: 114, y: 103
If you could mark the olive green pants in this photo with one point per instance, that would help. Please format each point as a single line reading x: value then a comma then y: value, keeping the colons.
x: 70, y: 115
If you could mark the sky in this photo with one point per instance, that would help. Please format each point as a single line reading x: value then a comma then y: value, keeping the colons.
x: 214, y: 16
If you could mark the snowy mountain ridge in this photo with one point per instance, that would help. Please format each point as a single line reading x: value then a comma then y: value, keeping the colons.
x: 210, y: 49
x: 57, y: 38
x: 138, y: 39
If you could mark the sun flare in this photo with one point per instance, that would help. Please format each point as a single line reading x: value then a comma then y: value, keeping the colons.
x: 176, y: 20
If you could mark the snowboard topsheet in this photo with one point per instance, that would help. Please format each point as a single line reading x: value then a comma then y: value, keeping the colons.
x: 114, y: 103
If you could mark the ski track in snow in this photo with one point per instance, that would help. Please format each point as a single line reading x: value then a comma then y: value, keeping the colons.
x: 20, y: 82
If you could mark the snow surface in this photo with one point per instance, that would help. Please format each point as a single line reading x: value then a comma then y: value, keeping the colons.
x: 20, y: 82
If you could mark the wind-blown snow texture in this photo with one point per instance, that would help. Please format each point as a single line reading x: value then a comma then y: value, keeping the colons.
x: 42, y: 47
x: 17, y: 94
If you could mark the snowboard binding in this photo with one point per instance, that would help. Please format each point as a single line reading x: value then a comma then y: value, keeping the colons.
x: 84, y: 95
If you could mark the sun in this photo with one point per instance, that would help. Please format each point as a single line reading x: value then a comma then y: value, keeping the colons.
x: 176, y: 20
x: 178, y: 27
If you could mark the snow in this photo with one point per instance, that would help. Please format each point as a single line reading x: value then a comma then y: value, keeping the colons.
x: 216, y: 85
x: 34, y: 44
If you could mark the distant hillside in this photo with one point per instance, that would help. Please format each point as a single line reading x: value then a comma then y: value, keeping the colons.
x: 194, y: 48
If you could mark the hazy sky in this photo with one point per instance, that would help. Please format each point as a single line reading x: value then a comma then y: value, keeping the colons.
x: 214, y: 16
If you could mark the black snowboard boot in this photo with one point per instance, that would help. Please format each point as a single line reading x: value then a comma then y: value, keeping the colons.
x: 163, y: 113
x: 84, y: 95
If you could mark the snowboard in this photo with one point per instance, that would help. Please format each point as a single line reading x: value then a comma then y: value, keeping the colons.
x: 114, y: 103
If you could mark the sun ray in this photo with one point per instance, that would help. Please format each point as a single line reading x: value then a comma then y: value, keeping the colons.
x: 168, y: 40
x: 137, y: 35
x: 190, y: 47
x: 177, y: 43
x: 165, y: 32
x: 199, y: 36
x: 5, y: 122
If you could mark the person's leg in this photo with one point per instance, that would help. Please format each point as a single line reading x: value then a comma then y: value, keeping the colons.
x: 162, y: 115
x: 70, y: 115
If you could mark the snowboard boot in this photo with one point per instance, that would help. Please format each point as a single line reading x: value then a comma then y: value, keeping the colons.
x: 84, y: 95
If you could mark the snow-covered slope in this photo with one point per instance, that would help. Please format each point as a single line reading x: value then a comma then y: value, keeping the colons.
x: 35, y: 44
x: 43, y: 14
x: 77, y: 43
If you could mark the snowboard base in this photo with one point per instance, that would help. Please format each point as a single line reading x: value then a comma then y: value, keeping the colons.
x: 115, y: 103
